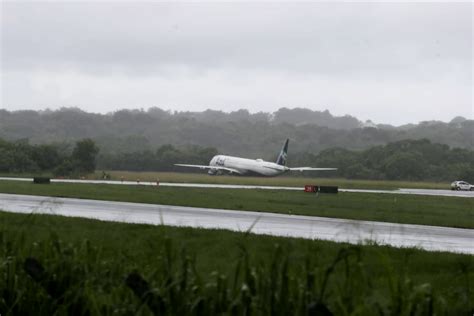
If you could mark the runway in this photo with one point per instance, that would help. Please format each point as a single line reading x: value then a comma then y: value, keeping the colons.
x: 427, y: 192
x: 430, y: 238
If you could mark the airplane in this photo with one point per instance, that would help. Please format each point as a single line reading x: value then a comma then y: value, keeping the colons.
x: 258, y: 167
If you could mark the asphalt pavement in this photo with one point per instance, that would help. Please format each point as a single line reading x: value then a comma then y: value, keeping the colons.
x: 430, y: 238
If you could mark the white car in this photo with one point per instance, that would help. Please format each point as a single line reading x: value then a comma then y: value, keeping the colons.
x: 462, y: 185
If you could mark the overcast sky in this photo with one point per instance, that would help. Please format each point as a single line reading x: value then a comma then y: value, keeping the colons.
x: 390, y: 62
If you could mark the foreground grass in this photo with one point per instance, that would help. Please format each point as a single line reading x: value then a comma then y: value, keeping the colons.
x: 52, y: 264
x: 286, y: 180
x: 408, y: 209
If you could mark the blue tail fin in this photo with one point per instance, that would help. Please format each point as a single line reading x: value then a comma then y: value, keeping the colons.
x: 281, y: 160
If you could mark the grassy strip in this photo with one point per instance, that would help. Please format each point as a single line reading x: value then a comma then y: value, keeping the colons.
x: 408, y: 209
x: 52, y: 264
x: 286, y: 180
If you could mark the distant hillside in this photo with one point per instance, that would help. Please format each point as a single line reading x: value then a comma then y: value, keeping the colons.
x: 258, y: 135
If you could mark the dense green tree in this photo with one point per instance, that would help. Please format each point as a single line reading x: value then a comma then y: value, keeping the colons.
x: 66, y: 168
x: 47, y: 157
x: 84, y: 155
x: 404, y: 166
x: 403, y: 160
x: 6, y: 160
x: 22, y: 157
x: 466, y: 173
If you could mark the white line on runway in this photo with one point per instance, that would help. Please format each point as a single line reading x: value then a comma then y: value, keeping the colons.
x: 429, y: 192
x: 340, y: 230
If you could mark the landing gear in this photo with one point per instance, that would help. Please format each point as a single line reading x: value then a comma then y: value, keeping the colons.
x: 214, y: 172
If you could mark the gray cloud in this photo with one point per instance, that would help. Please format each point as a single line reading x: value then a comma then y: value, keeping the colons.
x: 389, y: 62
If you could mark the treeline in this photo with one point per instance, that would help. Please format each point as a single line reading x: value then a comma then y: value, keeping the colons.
x: 162, y: 159
x: 58, y: 159
x: 258, y: 135
x: 63, y: 159
x: 403, y: 160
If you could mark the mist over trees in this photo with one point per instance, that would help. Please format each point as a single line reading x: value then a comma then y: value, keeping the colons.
x: 156, y: 139
x: 258, y: 135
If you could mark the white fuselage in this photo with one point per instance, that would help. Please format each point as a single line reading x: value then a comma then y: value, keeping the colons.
x: 247, y: 166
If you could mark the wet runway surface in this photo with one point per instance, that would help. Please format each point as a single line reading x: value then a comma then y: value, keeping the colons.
x: 399, y: 235
x: 427, y: 192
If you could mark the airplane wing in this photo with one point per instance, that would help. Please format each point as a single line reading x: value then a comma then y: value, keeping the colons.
x: 209, y: 167
x: 311, y: 169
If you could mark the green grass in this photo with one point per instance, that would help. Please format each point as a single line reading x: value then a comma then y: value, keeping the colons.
x: 203, y: 272
x: 409, y: 209
x: 285, y: 180
x: 26, y: 174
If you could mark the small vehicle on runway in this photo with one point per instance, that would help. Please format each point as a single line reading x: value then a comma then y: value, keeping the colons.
x: 462, y: 186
